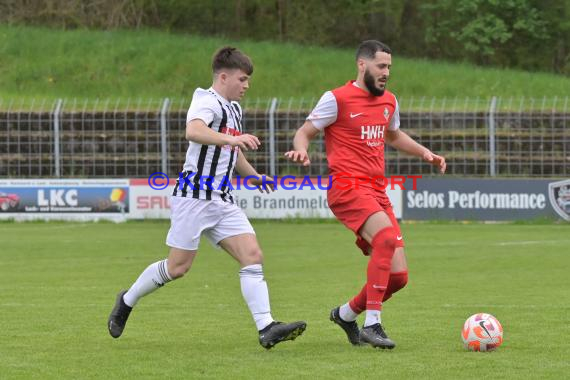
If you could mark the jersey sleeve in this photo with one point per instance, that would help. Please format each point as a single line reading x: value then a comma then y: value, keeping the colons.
x: 395, y: 121
x: 325, y: 112
x: 204, y: 107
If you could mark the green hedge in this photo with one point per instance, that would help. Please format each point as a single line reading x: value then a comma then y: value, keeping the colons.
x: 527, y: 34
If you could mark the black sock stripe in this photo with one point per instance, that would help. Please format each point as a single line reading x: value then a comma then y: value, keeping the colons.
x: 162, y: 271
x: 251, y: 272
x: 165, y: 268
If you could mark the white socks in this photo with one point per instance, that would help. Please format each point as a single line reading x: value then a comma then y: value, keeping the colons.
x: 152, y: 278
x: 346, y: 313
x: 372, y: 317
x: 253, y: 288
x: 256, y: 295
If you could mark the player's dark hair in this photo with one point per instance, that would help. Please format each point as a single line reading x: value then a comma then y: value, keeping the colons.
x: 231, y: 58
x: 369, y: 48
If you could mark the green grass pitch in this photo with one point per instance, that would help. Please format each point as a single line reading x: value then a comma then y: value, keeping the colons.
x: 58, y: 282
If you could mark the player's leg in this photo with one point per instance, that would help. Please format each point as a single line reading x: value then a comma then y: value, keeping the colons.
x: 354, y: 216
x: 399, y: 269
x: 235, y: 235
x: 398, y: 274
x: 155, y: 276
x: 381, y: 236
x: 159, y: 273
x: 379, y: 232
x: 245, y: 249
x: 398, y: 279
x: 183, y: 239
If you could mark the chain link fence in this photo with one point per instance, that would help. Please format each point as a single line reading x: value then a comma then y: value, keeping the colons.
x: 513, y: 137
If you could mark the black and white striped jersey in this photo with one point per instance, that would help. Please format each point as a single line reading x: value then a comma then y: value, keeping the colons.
x: 208, y: 169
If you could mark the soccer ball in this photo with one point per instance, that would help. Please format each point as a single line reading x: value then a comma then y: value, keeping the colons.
x: 482, y: 332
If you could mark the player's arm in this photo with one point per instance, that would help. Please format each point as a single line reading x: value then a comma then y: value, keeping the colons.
x: 198, y: 132
x: 403, y: 142
x: 323, y: 115
x: 245, y: 169
x: 301, y: 142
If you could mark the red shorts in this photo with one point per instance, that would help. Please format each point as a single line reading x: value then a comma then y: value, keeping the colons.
x: 353, y: 207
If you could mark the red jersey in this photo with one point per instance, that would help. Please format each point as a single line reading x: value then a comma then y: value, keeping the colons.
x: 355, y: 141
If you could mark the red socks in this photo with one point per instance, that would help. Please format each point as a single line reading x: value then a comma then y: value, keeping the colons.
x: 378, y: 272
x: 381, y: 284
x: 397, y: 281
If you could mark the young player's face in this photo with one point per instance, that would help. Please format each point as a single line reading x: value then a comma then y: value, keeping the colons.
x: 236, y: 83
x: 376, y: 73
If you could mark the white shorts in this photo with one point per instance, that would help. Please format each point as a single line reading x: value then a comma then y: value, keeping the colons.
x: 216, y: 219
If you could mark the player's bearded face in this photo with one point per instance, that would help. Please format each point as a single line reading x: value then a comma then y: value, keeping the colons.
x: 376, y: 86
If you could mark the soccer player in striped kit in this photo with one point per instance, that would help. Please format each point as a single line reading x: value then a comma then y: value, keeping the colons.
x: 358, y: 119
x: 202, y: 203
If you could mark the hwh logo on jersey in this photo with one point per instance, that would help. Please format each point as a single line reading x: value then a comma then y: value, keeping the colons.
x: 372, y: 132
x: 230, y: 131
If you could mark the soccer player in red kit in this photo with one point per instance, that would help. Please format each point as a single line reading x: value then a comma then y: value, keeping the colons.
x: 358, y: 119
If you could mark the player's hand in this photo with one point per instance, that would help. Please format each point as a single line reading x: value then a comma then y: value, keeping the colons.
x: 245, y: 142
x: 263, y: 186
x: 299, y: 156
x: 435, y: 160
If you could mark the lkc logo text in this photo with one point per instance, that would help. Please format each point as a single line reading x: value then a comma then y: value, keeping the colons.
x: 57, y: 197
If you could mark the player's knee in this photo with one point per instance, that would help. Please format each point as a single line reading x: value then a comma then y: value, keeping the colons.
x: 383, y: 248
x: 250, y: 256
x: 254, y: 256
x: 387, y: 237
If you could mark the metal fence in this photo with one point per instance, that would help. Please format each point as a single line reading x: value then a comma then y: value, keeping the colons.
x: 134, y: 138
